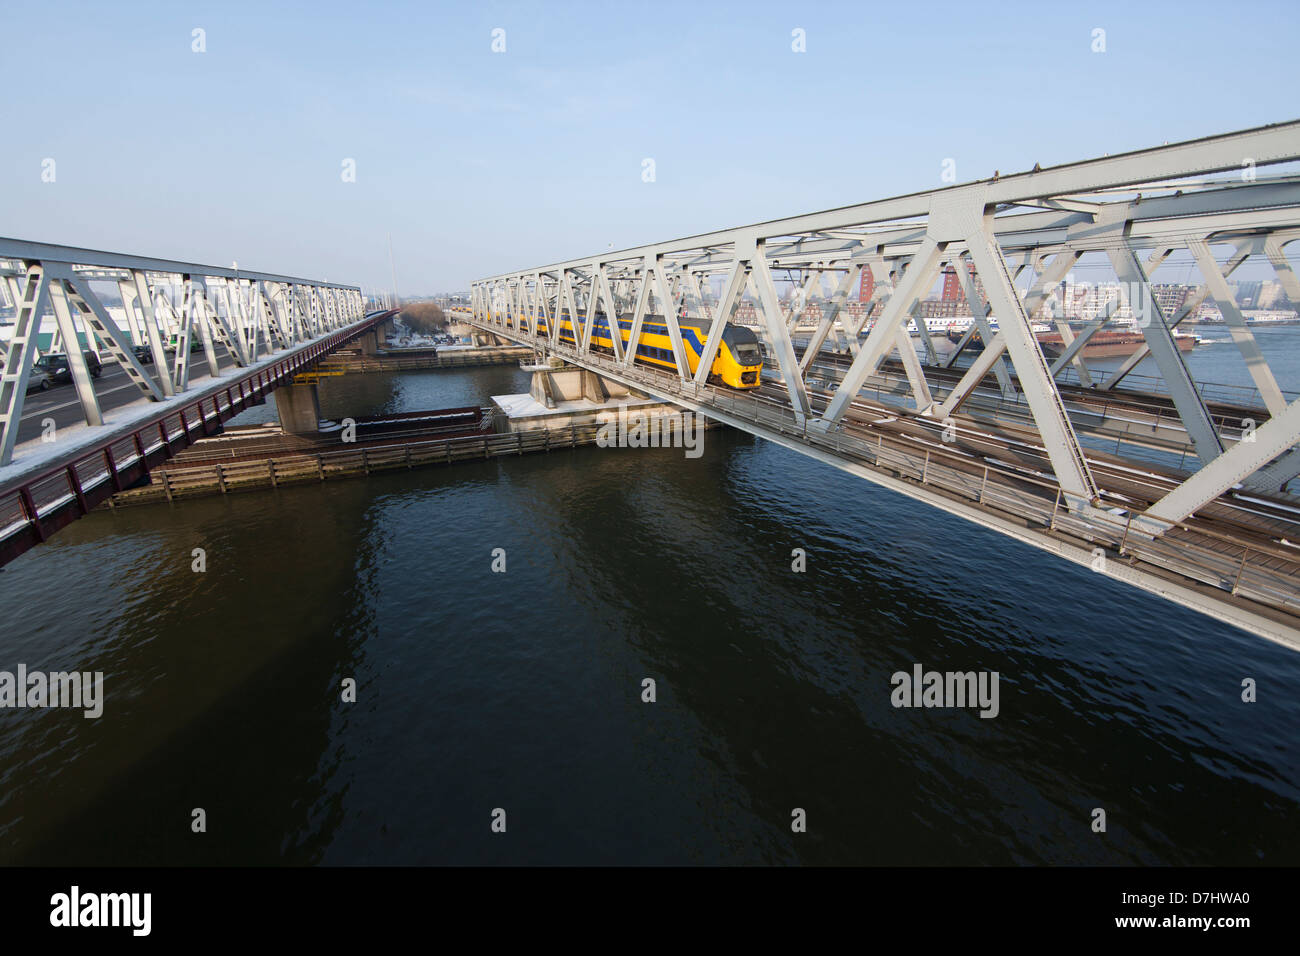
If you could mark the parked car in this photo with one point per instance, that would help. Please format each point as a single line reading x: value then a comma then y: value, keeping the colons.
x: 55, y: 365
x: 143, y: 354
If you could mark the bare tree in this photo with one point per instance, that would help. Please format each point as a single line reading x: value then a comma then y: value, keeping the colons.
x: 423, y: 317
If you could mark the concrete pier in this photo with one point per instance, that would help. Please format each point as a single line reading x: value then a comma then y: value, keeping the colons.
x: 569, y: 396
x: 299, y: 409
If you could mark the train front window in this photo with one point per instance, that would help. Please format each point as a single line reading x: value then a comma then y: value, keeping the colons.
x: 749, y: 355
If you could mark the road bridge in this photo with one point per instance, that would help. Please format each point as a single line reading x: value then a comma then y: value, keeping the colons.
x: 146, y: 320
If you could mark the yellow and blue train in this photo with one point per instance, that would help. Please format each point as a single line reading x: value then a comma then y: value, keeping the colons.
x: 738, y: 363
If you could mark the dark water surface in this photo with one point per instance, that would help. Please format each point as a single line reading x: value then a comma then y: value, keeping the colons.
x: 522, y: 690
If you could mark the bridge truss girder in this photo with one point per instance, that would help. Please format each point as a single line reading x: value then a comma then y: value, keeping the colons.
x: 241, y: 312
x: 1134, y: 209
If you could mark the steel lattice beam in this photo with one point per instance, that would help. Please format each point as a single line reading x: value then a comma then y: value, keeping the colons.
x: 42, y: 275
x: 1120, y: 207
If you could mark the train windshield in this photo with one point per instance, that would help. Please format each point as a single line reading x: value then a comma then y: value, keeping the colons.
x: 744, y: 344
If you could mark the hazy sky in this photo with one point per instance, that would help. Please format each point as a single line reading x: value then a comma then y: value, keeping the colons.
x: 480, y: 162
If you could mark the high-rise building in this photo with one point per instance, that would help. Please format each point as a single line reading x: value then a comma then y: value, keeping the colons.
x: 867, y: 286
x: 952, y: 288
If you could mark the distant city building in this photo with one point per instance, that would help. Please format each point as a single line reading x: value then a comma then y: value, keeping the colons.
x: 942, y: 308
x: 1085, y: 301
x: 952, y: 291
x: 1247, y: 293
x: 1272, y: 296
x: 1261, y: 300
x: 745, y: 314
x: 1171, y: 297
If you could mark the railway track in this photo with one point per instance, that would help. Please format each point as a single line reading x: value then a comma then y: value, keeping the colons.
x: 1268, y: 524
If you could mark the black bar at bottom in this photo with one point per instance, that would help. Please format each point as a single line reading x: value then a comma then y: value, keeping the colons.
x: 333, y: 905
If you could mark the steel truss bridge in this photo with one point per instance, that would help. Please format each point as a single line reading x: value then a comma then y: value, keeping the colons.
x: 1009, y: 441
x: 257, y: 331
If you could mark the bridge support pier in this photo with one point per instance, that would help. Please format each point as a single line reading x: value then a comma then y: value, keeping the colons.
x: 488, y: 339
x: 299, y: 409
x: 369, y: 342
x: 543, y: 390
x: 593, y: 387
x: 551, y: 386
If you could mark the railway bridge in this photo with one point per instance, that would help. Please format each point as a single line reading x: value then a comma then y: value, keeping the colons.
x: 1195, y: 509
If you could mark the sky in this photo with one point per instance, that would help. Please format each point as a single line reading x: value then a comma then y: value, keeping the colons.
x: 479, y: 162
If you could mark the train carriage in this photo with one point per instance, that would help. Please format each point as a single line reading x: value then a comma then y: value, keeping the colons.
x: 738, y: 364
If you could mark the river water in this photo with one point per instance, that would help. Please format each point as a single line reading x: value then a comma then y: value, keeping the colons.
x: 523, y: 690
